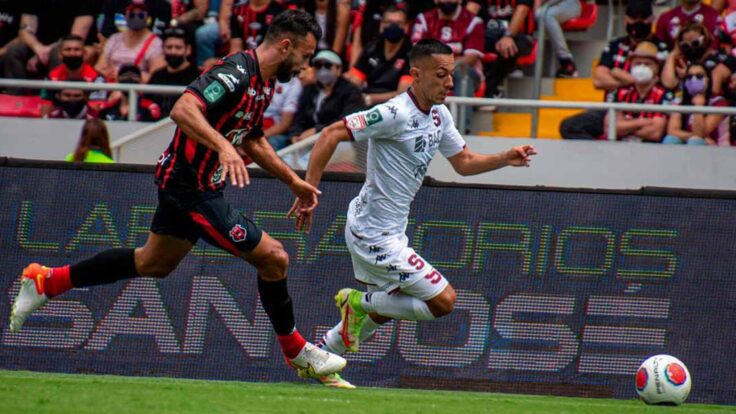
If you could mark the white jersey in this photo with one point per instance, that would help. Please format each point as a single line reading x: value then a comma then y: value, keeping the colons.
x: 402, y: 140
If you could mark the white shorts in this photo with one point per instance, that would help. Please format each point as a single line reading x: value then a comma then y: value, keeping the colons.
x: 389, y: 264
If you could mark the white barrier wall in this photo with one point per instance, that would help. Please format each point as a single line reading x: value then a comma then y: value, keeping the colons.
x: 602, y: 164
x: 572, y: 164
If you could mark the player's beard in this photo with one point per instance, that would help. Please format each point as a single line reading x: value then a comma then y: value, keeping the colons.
x: 287, y: 69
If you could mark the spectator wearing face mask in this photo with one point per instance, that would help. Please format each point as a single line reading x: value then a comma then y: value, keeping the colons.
x: 73, y: 66
x: 367, y: 25
x: 642, y: 126
x: 136, y: 44
x: 693, y: 45
x: 382, y: 71
x: 118, y: 107
x: 178, y: 70
x: 112, y: 17
x: 672, y: 21
x: 94, y: 144
x: 613, y: 70
x: 328, y: 100
x: 697, y: 129
x: 71, y: 104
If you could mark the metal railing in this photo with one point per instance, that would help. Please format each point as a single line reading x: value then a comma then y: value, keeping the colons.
x: 539, y: 60
x: 453, y: 102
x: 132, y: 88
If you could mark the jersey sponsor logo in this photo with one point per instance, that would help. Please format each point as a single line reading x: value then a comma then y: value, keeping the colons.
x: 420, y: 144
x: 267, y: 90
x: 217, y: 176
x: 373, y: 117
x: 260, y: 97
x: 252, y: 92
x: 230, y: 81
x: 355, y: 122
x: 246, y: 115
x: 164, y: 158
x: 240, y: 69
x: 391, y: 268
x: 414, y: 124
x: 213, y: 92
x: 403, y: 276
x: 238, y: 233
x: 381, y: 257
x: 236, y: 135
x: 393, y: 110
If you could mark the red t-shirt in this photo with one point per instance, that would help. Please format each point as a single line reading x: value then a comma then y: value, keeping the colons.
x: 464, y: 33
x: 670, y: 22
x: 88, y: 73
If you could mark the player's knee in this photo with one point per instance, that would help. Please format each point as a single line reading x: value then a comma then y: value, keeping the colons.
x: 444, y: 303
x: 275, y: 263
x: 152, y: 267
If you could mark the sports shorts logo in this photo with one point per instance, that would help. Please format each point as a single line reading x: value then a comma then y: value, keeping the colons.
x: 238, y: 233
x: 373, y: 117
x: 213, y: 92
x: 355, y: 122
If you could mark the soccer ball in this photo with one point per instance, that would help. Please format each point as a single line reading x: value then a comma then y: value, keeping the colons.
x: 663, y: 379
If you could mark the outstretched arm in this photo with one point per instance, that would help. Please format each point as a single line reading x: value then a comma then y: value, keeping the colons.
x: 263, y: 154
x: 321, y: 154
x: 467, y: 162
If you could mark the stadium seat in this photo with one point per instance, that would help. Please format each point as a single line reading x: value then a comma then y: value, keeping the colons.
x: 526, y: 60
x: 586, y: 20
x: 22, y: 106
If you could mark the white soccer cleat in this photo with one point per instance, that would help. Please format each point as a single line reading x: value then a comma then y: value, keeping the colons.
x: 331, y: 380
x: 318, y: 361
x: 31, y: 295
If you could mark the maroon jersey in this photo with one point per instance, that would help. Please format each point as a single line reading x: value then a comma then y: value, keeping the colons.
x: 670, y: 22
x: 464, y: 33
x: 234, y: 97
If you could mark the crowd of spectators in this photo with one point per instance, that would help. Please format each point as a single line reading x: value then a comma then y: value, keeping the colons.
x: 685, y: 56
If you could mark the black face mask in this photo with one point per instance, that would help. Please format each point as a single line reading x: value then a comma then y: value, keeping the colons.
x: 694, y: 54
x: 448, y: 8
x: 174, y: 60
x: 639, y: 30
x: 73, y: 108
x: 73, y: 62
x: 393, y: 33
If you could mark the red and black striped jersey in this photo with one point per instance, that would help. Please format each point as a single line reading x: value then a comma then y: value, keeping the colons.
x: 234, y: 97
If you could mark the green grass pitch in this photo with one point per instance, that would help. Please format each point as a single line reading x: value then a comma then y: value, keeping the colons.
x: 31, y: 392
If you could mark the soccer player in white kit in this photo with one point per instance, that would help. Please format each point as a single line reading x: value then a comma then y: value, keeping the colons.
x: 403, y: 136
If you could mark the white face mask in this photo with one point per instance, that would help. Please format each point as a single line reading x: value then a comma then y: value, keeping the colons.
x: 642, y: 73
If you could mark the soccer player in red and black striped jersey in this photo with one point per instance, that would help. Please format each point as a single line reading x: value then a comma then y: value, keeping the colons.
x: 220, y: 110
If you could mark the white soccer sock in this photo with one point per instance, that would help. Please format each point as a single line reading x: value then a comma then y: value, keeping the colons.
x: 397, y: 306
x: 333, y: 339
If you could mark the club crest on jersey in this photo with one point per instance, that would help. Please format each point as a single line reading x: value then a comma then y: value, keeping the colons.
x: 230, y: 81
x: 355, y: 122
x: 213, y: 92
x: 436, y: 117
x: 373, y: 117
x: 238, y: 233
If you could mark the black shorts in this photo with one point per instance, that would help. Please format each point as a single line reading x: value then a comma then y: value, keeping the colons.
x: 209, y: 217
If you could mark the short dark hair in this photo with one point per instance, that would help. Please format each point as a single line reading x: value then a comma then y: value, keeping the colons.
x: 393, y: 9
x: 293, y: 24
x: 71, y: 37
x: 177, y: 32
x: 426, y: 48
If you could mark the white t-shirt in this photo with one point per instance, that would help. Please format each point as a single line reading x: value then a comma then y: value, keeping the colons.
x: 402, y: 140
x: 285, y: 99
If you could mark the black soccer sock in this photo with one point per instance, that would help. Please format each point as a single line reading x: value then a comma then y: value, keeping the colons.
x: 277, y: 304
x: 104, y: 268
